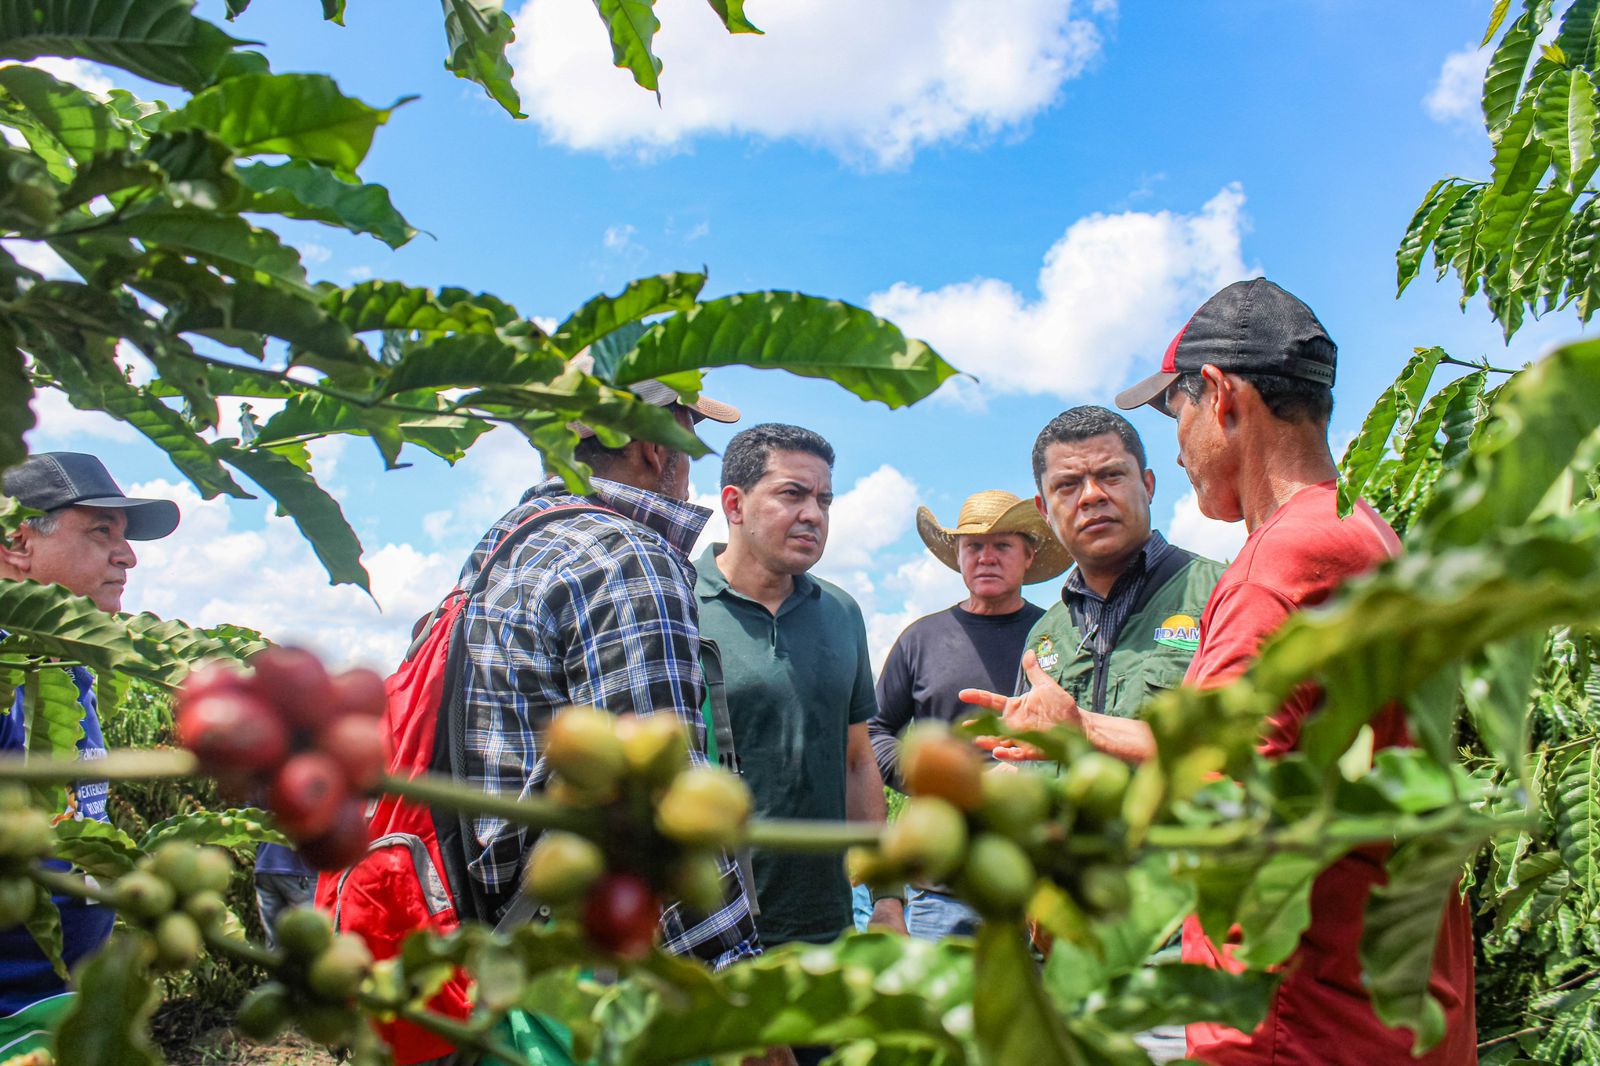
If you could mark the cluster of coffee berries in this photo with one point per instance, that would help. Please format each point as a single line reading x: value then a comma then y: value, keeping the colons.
x: 992, y: 835
x: 315, y: 984
x: 289, y: 736
x: 25, y: 835
x: 175, y: 894
x: 659, y: 832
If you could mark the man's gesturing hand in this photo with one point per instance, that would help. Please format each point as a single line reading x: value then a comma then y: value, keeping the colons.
x: 1044, y: 706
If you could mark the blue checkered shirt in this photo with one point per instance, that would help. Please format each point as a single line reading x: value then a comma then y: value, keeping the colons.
x: 592, y: 609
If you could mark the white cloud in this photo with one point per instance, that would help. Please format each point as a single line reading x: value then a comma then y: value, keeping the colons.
x: 1456, y: 95
x: 917, y: 587
x: 873, y: 82
x: 57, y: 424
x: 212, y: 571
x: 312, y: 252
x: 619, y: 237
x: 1112, y: 291
x: 80, y: 72
x: 436, y: 524
x: 1190, y: 529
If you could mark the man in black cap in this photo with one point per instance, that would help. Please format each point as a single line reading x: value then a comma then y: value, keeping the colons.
x: 81, y: 543
x: 1249, y: 382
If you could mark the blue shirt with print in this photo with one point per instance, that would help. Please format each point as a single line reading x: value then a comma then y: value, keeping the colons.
x: 26, y: 976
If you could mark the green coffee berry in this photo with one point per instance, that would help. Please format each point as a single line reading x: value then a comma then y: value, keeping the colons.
x: 304, y: 932
x: 563, y: 866
x: 929, y: 838
x: 145, y: 897
x: 264, y: 1012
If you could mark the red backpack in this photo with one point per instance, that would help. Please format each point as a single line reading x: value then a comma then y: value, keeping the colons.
x: 414, y: 874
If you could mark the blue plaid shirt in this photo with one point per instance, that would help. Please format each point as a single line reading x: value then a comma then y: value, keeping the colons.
x: 592, y: 609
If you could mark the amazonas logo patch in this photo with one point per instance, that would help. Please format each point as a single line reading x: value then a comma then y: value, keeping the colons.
x: 1179, y: 631
x: 1048, y: 656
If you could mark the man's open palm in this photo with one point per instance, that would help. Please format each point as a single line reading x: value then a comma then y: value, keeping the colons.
x: 1044, y: 706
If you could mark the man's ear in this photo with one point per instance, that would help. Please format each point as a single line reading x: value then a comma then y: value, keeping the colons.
x: 733, y: 504
x: 650, y: 457
x: 17, y: 553
x: 1224, y: 396
x: 1150, y: 484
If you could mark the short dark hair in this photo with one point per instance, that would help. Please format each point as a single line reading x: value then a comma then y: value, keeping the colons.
x: 1289, y: 399
x: 744, y: 461
x: 1081, y: 423
x: 595, y: 455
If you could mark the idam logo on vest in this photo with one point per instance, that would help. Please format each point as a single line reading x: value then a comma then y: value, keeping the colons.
x: 1179, y: 631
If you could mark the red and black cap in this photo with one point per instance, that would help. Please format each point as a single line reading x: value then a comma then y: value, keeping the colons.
x: 1249, y: 327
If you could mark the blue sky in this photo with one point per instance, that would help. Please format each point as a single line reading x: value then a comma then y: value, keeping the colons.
x: 1042, y: 190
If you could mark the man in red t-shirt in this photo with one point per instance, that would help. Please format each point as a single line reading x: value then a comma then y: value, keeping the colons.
x: 1249, y: 381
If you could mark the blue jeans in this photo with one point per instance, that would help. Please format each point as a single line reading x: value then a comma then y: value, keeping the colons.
x: 274, y: 892
x: 932, y: 915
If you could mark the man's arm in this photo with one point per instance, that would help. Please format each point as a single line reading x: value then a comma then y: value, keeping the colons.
x: 863, y: 797
x: 1046, y: 705
x: 895, y: 711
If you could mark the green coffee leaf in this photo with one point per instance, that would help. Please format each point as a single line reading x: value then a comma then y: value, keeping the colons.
x: 478, y: 33
x: 302, y: 116
x: 159, y: 40
x: 802, y: 334
x: 99, y: 849
x: 110, y: 1017
x: 317, y: 514
x: 1397, y: 404
x: 233, y: 828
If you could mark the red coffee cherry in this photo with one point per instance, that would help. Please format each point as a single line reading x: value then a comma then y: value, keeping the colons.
x: 356, y: 743
x: 211, y: 679
x: 359, y: 692
x: 295, y: 682
x: 342, y: 845
x: 621, y: 915
x: 232, y: 733
x: 306, y: 794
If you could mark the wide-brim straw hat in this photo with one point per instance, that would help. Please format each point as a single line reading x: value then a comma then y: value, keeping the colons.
x: 996, y: 511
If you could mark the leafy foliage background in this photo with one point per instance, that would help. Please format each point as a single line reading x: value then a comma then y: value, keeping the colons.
x: 1484, y: 629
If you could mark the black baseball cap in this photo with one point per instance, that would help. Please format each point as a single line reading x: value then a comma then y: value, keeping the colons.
x: 52, y: 480
x: 1251, y: 327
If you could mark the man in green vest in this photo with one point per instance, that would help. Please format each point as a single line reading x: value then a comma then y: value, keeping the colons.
x: 1128, y: 621
x: 1129, y: 617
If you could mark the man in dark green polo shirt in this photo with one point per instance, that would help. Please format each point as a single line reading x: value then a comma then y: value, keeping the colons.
x: 798, y: 678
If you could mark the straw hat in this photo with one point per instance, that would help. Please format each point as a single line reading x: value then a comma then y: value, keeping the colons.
x: 996, y: 511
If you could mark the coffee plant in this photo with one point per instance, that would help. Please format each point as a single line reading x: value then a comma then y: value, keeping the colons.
x: 1484, y: 629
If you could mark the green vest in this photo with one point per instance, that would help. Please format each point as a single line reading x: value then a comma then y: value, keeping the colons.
x: 1152, y: 652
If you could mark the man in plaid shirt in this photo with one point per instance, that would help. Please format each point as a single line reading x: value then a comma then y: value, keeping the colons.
x: 600, y: 609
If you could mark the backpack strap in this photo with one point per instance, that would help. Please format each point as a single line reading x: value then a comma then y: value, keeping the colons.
x: 449, y: 743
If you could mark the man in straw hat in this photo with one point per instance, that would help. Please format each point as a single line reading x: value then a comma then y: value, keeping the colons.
x: 998, y: 544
